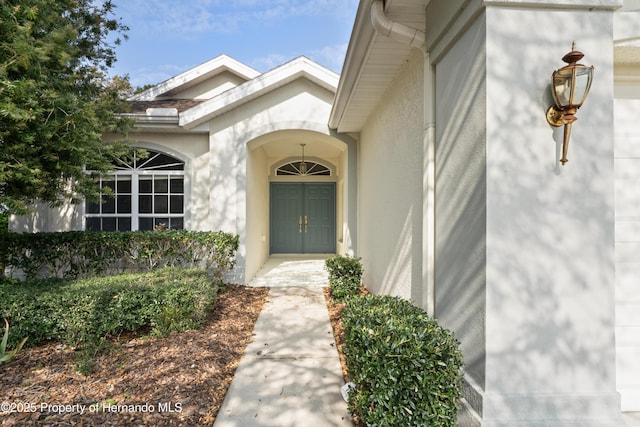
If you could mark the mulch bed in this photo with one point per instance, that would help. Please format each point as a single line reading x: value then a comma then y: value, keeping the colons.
x: 180, y: 380
x: 335, y: 309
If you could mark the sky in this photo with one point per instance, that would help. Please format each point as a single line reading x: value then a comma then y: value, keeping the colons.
x: 167, y: 37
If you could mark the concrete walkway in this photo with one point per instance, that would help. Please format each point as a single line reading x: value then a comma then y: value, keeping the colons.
x: 290, y: 374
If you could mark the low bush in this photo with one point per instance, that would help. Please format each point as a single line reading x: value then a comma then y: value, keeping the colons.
x: 79, y: 254
x: 345, y: 275
x: 343, y: 288
x: 406, y: 367
x: 83, y: 311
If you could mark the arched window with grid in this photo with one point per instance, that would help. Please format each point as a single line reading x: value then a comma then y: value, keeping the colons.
x: 144, y: 193
x: 303, y: 168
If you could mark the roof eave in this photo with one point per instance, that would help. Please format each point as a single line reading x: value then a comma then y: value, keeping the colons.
x: 298, y: 68
x: 362, y: 36
x: 214, y: 66
x: 348, y: 113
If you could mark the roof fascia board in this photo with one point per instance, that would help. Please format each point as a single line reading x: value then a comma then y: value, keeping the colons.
x: 212, y: 67
x: 267, y: 82
x: 362, y: 38
x: 558, y: 4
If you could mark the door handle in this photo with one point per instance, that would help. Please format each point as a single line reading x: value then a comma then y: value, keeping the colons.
x: 306, y: 223
x: 300, y: 224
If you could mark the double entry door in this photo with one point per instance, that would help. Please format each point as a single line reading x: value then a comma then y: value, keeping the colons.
x: 303, y: 217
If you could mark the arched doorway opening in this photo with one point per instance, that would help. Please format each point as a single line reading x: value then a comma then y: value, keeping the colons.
x: 280, y: 195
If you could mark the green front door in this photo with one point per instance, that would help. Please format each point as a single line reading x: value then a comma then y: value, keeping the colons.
x: 303, y: 217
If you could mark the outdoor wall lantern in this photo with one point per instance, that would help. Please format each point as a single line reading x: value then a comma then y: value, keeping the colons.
x: 570, y: 86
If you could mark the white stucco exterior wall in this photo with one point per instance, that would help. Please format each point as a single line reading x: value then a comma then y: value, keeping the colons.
x: 390, y: 188
x: 524, y: 247
x: 550, y: 257
x: 550, y: 227
x: 461, y: 195
x: 257, y: 236
x: 627, y: 169
x: 211, y: 87
x: 300, y: 105
x: 191, y: 148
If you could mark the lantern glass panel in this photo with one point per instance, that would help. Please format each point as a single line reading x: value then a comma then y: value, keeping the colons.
x: 582, y: 84
x: 562, y: 87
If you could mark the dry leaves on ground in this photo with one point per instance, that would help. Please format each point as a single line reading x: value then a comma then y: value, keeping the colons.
x: 335, y: 309
x: 180, y: 380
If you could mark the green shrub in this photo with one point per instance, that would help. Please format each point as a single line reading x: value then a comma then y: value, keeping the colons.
x: 345, y: 275
x: 81, y: 312
x: 80, y: 254
x: 343, y: 288
x: 343, y: 266
x: 406, y: 367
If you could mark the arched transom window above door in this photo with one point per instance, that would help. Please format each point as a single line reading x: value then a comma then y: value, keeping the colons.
x: 144, y: 193
x: 303, y: 168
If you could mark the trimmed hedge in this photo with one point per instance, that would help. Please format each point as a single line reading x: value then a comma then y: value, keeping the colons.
x: 79, y: 254
x: 345, y: 274
x: 406, y: 367
x: 78, y: 312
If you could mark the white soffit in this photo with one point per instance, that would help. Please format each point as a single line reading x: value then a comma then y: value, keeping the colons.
x: 372, y: 62
x: 300, y: 67
x: 215, y: 66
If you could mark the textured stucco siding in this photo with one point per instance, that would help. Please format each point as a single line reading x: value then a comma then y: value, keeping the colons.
x: 257, y: 235
x: 390, y: 187
x: 461, y: 195
x: 550, y: 270
x: 627, y: 169
x: 524, y: 246
x: 190, y: 148
x: 193, y: 149
x: 239, y: 197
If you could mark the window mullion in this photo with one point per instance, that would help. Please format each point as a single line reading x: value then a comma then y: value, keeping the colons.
x: 134, y: 202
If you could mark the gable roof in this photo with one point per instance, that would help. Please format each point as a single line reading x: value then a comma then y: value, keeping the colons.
x: 195, y: 75
x: 155, y: 107
x: 300, y: 67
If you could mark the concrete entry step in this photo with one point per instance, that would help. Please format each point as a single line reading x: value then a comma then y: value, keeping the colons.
x: 292, y: 270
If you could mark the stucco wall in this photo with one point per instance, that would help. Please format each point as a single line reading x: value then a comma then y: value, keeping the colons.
x: 191, y: 148
x: 257, y: 236
x: 210, y: 87
x: 299, y: 105
x: 524, y: 254
x: 627, y: 169
x: 550, y: 269
x: 390, y: 187
x: 461, y: 195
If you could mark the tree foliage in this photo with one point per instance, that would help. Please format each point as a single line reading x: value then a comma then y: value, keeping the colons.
x: 56, y: 100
